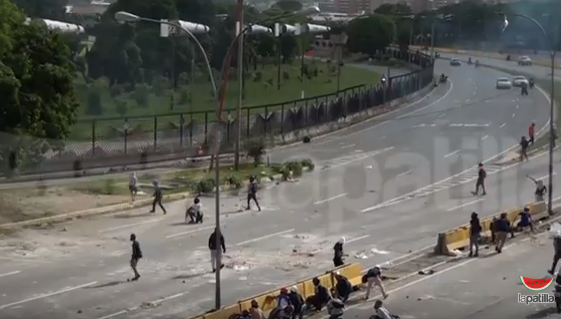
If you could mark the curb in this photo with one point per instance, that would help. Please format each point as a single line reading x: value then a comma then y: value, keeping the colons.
x: 104, y: 210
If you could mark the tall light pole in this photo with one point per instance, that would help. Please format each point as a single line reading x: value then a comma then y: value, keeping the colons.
x: 551, y: 104
x: 239, y: 27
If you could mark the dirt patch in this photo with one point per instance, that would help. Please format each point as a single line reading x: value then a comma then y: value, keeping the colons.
x: 24, y: 204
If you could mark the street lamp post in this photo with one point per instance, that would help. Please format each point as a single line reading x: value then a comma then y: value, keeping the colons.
x: 551, y: 104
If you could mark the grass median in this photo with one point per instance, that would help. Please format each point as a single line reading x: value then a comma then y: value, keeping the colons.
x: 31, y: 203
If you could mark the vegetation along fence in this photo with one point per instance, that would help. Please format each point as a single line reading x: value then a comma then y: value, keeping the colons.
x: 134, y: 140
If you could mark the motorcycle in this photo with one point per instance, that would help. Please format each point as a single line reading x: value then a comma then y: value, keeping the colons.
x: 443, y: 79
x: 557, y: 292
x: 469, y: 61
x: 531, y: 84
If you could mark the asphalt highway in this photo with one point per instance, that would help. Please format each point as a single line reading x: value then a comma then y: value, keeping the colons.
x: 387, y: 185
x: 487, y: 287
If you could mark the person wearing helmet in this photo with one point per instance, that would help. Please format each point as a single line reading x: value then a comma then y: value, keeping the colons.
x: 338, y: 253
x: 343, y: 287
x: 252, y: 193
x: 297, y: 301
x: 373, y: 277
x: 158, y: 196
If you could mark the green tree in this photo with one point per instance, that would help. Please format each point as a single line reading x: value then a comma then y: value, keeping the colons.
x: 288, y: 5
x: 400, y: 8
x: 370, y: 34
x: 36, y: 84
x: 45, y: 9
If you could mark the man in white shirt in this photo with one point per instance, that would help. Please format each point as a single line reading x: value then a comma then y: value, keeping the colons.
x: 133, y: 188
x: 195, y: 212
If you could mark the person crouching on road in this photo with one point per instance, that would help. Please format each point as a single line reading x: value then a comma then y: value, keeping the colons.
x: 214, y: 250
x: 343, y: 287
x: 158, y: 196
x: 321, y: 295
x: 373, y: 277
x: 298, y: 302
x: 252, y: 193
x: 135, y: 257
x: 335, y: 308
x: 474, y: 235
x: 525, y: 220
x: 338, y: 253
x: 195, y: 212
x: 255, y: 312
x: 556, y: 254
x: 502, y: 228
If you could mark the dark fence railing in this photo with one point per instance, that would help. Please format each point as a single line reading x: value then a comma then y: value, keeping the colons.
x: 142, y: 139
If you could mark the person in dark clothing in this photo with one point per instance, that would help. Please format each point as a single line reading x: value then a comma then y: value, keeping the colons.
x: 540, y: 191
x: 338, y: 253
x: 158, y: 196
x: 298, y: 302
x: 135, y: 257
x: 214, y: 253
x: 343, y: 287
x: 525, y: 220
x: 524, y: 148
x: 474, y: 235
x: 321, y: 296
x: 492, y: 229
x: 502, y: 228
x: 556, y: 254
x: 252, y: 193
x: 480, y: 183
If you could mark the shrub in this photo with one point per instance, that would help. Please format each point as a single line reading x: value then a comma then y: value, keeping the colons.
x: 257, y: 76
x: 206, y: 185
x: 121, y: 106
x: 308, y: 163
x: 93, y: 102
x: 109, y: 187
x: 115, y: 91
x: 234, y: 180
x: 256, y: 149
x: 306, y: 140
x: 141, y: 95
x: 285, y: 75
x: 285, y: 173
x: 184, y: 97
x: 277, y: 168
x: 294, y: 167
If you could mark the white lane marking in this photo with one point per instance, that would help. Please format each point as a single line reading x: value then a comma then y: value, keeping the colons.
x: 484, y: 137
x: 441, y: 115
x: 190, y: 231
x: 47, y: 295
x: 155, y: 302
x: 355, y: 158
x: 545, y: 176
x: 513, y: 114
x: 329, y: 199
x: 129, y: 225
x: 382, y: 137
x: 122, y: 312
x: 452, y: 154
x: 352, y: 240
x: 348, y: 146
x: 24, y: 260
x: 158, y: 301
x: 265, y: 237
x: 10, y: 273
x: 403, y: 174
x: 502, y: 125
x: 465, y: 204
x: 431, y: 104
x: 517, y: 106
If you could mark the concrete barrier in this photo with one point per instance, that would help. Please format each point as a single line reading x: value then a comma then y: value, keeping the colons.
x: 268, y: 300
x: 458, y: 238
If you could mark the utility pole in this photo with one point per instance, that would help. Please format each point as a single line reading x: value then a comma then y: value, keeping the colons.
x: 239, y: 29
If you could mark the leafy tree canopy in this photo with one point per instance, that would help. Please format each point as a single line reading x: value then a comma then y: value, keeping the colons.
x: 370, y: 34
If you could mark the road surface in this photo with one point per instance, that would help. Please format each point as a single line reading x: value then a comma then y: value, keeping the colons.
x: 482, y: 288
x: 380, y: 186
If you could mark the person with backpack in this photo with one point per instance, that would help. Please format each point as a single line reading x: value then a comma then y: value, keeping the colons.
x: 194, y: 212
x: 480, y: 183
x: 252, y: 193
x: 135, y: 257
x: 343, y: 287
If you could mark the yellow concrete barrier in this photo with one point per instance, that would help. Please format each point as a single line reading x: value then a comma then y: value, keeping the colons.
x: 353, y: 272
x: 538, y: 210
x: 223, y: 313
x: 267, y: 301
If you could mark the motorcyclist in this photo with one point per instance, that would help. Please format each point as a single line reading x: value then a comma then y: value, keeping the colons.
x: 469, y: 60
x: 443, y: 77
x: 531, y: 82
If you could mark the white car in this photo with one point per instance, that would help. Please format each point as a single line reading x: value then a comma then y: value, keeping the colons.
x: 524, y: 60
x: 455, y: 62
x: 503, y: 83
x: 519, y: 80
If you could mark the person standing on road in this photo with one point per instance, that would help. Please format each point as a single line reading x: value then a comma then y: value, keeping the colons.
x: 531, y: 133
x: 474, y: 235
x: 338, y: 253
x: 540, y: 189
x: 372, y: 278
x: 480, y: 183
x: 133, y: 186
x: 556, y: 254
x: 158, y: 196
x: 252, y: 193
x: 214, y: 250
x: 136, y: 255
x: 524, y: 148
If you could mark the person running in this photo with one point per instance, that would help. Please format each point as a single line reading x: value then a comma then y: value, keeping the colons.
x: 474, y: 234
x: 480, y: 183
x: 524, y: 148
x: 531, y: 133
x: 158, y: 196
x: 135, y: 257
x: 214, y: 260
x: 133, y: 186
x: 540, y: 191
x: 252, y: 193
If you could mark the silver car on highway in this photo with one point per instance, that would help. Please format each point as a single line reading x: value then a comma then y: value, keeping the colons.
x: 503, y: 83
x: 520, y: 80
